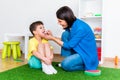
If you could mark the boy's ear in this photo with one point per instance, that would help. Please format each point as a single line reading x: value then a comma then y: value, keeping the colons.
x: 34, y: 32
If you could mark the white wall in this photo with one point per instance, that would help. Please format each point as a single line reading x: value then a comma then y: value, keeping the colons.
x: 111, y: 28
x: 17, y: 15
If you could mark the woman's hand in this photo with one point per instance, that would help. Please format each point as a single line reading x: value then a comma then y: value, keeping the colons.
x: 49, y: 32
x: 48, y: 35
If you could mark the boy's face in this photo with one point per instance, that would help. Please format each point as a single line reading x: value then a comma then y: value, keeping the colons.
x: 40, y: 31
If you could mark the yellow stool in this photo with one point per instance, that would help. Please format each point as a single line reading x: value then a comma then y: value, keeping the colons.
x: 11, y: 45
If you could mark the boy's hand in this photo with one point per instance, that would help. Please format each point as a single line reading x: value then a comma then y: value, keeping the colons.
x: 47, y: 61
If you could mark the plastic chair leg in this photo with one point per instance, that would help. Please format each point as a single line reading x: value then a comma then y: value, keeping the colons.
x: 9, y: 50
x: 14, y: 48
x: 4, y: 51
x: 18, y: 51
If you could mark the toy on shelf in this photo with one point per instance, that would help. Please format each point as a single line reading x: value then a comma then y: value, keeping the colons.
x: 116, y: 60
x: 98, y: 14
x: 91, y: 14
x: 97, y: 32
x: 99, y: 53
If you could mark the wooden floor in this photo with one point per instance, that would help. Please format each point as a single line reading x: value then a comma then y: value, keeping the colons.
x: 9, y: 63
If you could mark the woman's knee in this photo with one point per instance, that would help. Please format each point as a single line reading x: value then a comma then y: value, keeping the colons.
x: 72, y: 63
x: 66, y: 65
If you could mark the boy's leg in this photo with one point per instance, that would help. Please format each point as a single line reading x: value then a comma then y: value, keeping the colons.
x: 46, y: 69
x: 42, y: 51
x: 34, y: 62
x: 73, y: 63
x: 48, y: 51
x: 49, y: 55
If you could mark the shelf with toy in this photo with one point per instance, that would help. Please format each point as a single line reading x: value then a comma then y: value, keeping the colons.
x: 97, y: 33
x: 91, y: 17
x: 90, y: 11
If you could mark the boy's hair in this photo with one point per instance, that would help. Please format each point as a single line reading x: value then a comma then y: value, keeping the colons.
x: 34, y: 25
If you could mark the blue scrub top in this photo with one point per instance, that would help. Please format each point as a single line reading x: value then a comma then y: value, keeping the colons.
x: 82, y: 40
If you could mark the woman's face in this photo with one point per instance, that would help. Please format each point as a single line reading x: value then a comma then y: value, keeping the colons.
x: 63, y: 23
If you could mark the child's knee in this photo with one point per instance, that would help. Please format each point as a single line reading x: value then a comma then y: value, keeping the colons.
x: 47, y: 45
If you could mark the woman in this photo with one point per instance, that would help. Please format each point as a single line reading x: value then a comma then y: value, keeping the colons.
x: 78, y: 44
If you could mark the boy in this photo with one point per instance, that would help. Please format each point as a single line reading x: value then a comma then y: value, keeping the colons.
x: 40, y: 52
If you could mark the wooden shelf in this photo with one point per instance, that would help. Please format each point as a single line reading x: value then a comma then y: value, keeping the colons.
x: 98, y: 39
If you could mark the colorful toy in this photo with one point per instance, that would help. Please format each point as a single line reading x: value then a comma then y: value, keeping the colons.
x: 93, y: 72
x: 18, y: 60
x: 97, y: 32
x: 98, y: 14
x: 116, y: 60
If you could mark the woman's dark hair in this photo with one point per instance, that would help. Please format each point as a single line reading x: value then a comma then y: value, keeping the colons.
x: 34, y: 25
x: 65, y: 13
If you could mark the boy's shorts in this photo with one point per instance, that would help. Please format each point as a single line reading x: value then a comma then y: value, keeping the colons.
x: 34, y: 62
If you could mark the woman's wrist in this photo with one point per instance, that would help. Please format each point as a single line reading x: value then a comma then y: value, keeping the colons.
x: 57, y: 40
x: 53, y: 38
